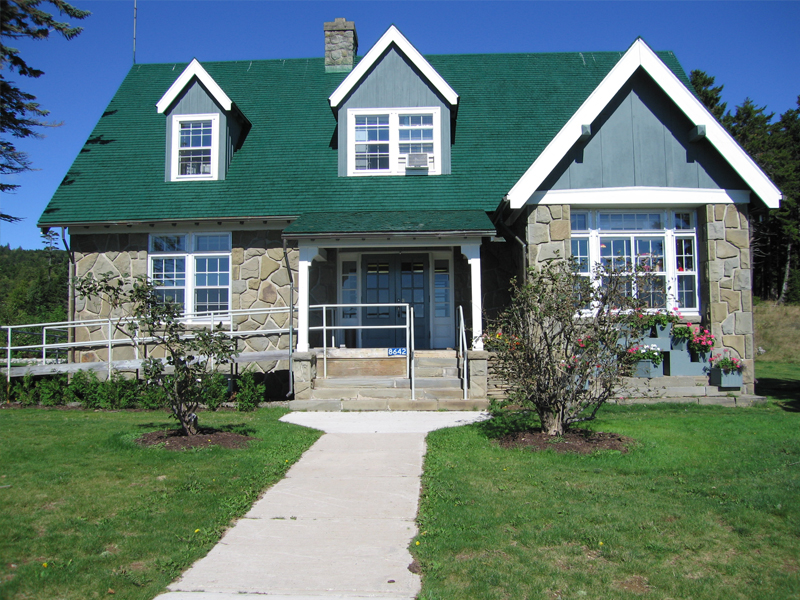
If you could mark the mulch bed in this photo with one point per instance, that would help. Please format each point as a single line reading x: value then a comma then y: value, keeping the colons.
x: 175, y: 439
x: 577, y: 441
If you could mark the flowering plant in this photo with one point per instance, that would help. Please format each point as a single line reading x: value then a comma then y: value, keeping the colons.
x: 702, y: 341
x: 726, y: 362
x: 682, y: 333
x: 645, y: 352
x: 644, y: 321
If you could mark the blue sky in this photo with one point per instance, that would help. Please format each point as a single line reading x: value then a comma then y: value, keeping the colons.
x: 750, y: 47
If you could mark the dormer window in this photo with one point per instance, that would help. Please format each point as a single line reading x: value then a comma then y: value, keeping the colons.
x: 396, y: 141
x: 195, y: 147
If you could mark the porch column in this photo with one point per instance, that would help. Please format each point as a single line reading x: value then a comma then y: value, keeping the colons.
x: 472, y: 252
x: 307, y: 254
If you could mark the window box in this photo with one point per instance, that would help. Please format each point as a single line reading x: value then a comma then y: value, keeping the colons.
x: 646, y: 368
x: 726, y: 379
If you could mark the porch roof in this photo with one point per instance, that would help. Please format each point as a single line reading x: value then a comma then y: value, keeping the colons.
x: 430, y: 222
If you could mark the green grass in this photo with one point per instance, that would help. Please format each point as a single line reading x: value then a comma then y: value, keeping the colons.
x: 777, y: 332
x: 105, y: 514
x: 705, y: 506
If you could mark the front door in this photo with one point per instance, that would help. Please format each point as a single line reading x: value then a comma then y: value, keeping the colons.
x: 395, y: 279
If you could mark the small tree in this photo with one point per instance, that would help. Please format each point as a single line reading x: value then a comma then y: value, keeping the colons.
x: 558, y: 343
x: 185, y: 371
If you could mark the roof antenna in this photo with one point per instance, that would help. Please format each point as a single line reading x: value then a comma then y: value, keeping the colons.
x: 134, y: 31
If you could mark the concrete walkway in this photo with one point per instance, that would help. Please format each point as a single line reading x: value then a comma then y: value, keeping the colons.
x: 338, y: 525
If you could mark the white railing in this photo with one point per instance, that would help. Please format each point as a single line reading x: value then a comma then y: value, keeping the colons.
x: 463, y: 349
x: 114, y: 332
x: 326, y: 327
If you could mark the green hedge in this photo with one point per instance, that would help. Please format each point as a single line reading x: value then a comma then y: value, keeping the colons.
x: 121, y: 392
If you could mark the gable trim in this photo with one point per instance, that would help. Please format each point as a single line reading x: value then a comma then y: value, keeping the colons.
x: 640, y: 55
x: 194, y: 69
x: 392, y: 36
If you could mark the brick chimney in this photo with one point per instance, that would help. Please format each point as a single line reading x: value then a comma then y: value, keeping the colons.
x: 341, y: 45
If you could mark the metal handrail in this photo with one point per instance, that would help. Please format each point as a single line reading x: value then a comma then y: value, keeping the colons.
x: 462, y: 351
x: 410, y: 342
x: 111, y: 324
x: 325, y: 327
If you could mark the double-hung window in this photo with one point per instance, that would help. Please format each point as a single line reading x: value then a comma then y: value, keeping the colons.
x: 192, y: 270
x: 393, y: 141
x: 662, y: 244
x: 195, y: 147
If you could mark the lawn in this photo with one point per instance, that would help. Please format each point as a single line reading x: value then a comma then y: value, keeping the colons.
x: 706, y: 505
x: 87, y: 513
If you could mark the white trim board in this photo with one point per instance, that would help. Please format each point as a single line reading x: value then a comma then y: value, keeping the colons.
x: 640, y: 55
x: 194, y: 69
x: 641, y: 196
x: 392, y: 36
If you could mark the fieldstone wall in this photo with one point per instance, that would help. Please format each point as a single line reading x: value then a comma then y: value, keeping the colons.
x: 122, y: 255
x: 259, y: 279
x: 726, y: 285
x: 547, y: 234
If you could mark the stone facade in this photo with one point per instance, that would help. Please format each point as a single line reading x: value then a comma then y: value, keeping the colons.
x: 341, y: 45
x: 259, y: 279
x: 726, y: 282
x: 547, y: 233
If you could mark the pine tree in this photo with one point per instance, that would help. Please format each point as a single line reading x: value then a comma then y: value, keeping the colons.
x: 20, y: 114
x: 710, y: 96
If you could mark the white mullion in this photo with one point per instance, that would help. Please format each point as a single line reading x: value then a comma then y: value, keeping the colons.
x: 671, y: 267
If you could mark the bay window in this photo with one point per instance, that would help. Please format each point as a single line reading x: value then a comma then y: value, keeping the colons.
x: 192, y: 270
x: 662, y: 244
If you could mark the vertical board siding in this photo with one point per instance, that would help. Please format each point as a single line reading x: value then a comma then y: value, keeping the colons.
x: 393, y: 83
x: 641, y: 139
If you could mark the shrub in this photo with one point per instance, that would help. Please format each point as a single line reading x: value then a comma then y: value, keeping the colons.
x: 557, y: 342
x: 216, y: 391
x: 52, y: 390
x: 249, y: 393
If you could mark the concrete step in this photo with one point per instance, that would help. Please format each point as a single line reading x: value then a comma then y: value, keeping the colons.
x: 422, y: 361
x: 345, y: 393
x: 448, y: 393
x: 437, y: 382
x: 362, y: 382
x: 436, y: 371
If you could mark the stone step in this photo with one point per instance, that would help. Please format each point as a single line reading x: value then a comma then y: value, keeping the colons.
x: 362, y: 382
x: 346, y: 393
x: 431, y: 354
x: 437, y: 382
x: 421, y: 361
x: 436, y: 371
x: 440, y: 393
x: 669, y: 381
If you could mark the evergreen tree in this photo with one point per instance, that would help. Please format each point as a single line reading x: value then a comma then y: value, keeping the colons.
x: 20, y: 114
x: 710, y: 96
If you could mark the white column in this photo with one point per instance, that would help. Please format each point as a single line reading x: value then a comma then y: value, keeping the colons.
x: 307, y: 254
x: 472, y: 252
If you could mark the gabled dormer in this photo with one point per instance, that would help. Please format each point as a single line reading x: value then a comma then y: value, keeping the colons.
x: 395, y: 113
x: 204, y: 127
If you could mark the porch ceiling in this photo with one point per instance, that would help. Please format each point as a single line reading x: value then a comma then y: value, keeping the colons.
x: 433, y: 222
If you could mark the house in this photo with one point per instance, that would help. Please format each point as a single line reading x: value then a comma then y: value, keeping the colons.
x: 402, y: 179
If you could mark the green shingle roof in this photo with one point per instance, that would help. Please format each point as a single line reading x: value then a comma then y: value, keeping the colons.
x: 511, y: 106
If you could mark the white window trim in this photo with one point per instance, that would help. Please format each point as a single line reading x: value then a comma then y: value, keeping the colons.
x: 176, y: 142
x: 670, y: 234
x: 189, y: 255
x: 397, y: 165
